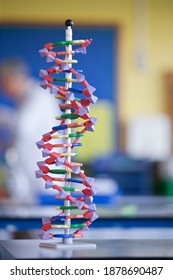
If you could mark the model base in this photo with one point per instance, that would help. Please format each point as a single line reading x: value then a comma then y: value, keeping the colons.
x: 64, y: 246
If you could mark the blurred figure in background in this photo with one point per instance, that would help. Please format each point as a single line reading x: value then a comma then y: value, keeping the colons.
x: 6, y: 141
x: 21, y: 126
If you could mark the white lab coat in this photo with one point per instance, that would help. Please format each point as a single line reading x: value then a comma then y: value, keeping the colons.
x: 35, y: 117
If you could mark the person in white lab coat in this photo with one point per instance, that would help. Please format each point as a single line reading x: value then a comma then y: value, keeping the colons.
x: 34, y: 115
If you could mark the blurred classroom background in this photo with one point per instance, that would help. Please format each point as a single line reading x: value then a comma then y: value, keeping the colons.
x: 130, y: 62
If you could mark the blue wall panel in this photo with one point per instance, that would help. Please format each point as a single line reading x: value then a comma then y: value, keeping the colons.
x: 99, y: 64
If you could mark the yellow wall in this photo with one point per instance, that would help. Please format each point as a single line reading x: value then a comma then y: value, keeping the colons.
x: 140, y: 91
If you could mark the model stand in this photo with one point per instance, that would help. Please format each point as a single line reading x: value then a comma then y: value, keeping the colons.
x: 78, y: 198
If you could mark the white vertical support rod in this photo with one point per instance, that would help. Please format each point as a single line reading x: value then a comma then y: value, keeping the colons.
x: 68, y: 37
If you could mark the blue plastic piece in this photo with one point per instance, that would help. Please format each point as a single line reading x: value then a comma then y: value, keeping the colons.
x: 59, y: 127
x: 72, y: 110
x: 74, y: 180
x: 63, y: 235
x: 75, y: 90
x: 77, y: 144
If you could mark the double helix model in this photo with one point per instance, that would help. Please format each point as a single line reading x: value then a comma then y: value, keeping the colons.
x: 58, y: 170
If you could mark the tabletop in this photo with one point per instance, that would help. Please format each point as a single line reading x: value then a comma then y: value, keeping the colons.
x: 105, y: 249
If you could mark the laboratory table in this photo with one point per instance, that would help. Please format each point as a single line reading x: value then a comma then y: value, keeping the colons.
x: 130, y: 211
x: 106, y: 249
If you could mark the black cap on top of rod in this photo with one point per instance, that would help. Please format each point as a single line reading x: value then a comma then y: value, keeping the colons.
x: 69, y: 22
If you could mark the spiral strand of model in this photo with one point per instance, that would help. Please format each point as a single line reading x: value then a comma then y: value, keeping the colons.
x: 59, y: 170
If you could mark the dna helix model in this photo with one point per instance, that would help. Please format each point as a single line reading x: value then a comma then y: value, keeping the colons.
x: 58, y: 170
